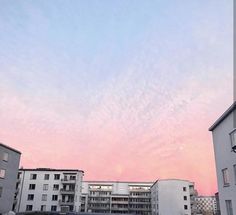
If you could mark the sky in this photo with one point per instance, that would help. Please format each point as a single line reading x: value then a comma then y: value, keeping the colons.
x: 122, y: 89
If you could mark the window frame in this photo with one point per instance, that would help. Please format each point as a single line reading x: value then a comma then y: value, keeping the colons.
x: 4, y: 173
x: 6, y: 159
x: 225, y: 176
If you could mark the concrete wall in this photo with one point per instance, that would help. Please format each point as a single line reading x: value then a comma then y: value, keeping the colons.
x: 225, y: 158
x: 8, y: 183
x: 38, y: 192
x: 169, y: 197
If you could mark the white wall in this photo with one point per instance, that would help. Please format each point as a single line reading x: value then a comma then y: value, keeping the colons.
x: 37, y: 202
x: 170, y: 197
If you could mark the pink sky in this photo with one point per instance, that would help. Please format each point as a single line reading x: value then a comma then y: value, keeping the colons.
x: 120, y: 90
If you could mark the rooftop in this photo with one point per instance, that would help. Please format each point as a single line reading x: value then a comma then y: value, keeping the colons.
x: 223, y: 116
x: 51, y: 169
x: 9, y: 148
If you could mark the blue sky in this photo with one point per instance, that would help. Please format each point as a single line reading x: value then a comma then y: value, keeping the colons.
x: 98, y: 76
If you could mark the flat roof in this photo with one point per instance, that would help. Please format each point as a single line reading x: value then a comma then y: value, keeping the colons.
x: 172, y: 179
x: 223, y: 116
x: 8, y: 147
x: 130, y: 182
x: 51, y: 169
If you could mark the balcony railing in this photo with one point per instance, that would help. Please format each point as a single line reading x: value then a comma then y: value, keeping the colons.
x: 64, y: 203
x: 68, y: 181
x: 64, y: 191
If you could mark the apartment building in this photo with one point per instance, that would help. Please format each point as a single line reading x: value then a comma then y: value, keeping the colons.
x: 172, y: 196
x: 9, y: 164
x: 44, y: 189
x: 116, y: 197
x: 206, y: 205
x: 224, y: 140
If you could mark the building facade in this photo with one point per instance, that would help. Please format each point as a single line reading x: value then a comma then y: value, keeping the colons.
x: 116, y: 197
x: 9, y: 164
x: 49, y: 190
x: 206, y: 205
x: 173, y: 197
x: 224, y: 140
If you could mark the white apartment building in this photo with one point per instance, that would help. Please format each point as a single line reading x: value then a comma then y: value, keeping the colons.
x: 9, y: 164
x: 224, y: 139
x: 116, y: 197
x: 45, y: 189
x: 172, y: 197
x: 206, y: 205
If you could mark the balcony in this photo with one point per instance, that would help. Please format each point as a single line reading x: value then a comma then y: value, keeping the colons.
x: 68, y: 181
x: 64, y: 191
x: 65, y: 203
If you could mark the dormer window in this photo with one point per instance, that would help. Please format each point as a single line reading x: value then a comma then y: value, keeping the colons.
x: 233, y: 140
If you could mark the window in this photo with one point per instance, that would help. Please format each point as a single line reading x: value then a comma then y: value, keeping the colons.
x: 229, y: 208
x: 32, y: 187
x: 56, y: 176
x: 54, y: 197
x: 33, y: 176
x: 0, y: 192
x: 44, y: 197
x: 43, y: 207
x: 225, y: 174
x: 30, y: 197
x: 5, y: 156
x: 184, y: 189
x: 46, y: 177
x: 53, y: 208
x: 234, y: 173
x: 233, y: 140
x: 185, y: 207
x: 56, y: 187
x: 29, y: 207
x: 2, y: 173
x: 45, y: 187
x: 185, y: 197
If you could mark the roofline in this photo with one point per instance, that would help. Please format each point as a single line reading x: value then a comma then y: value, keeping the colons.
x: 8, y: 147
x: 130, y: 182
x: 172, y: 179
x: 223, y: 116
x: 205, y: 197
x: 51, y: 169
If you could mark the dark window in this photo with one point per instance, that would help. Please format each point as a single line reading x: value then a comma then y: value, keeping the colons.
x: 32, y: 187
x: 54, y: 197
x: 46, y: 177
x: 0, y: 192
x: 56, y: 176
x: 185, y: 197
x: 53, y: 208
x: 184, y: 189
x: 56, y: 187
x: 43, y: 207
x: 185, y: 207
x: 33, y: 176
x: 30, y: 197
x: 29, y: 207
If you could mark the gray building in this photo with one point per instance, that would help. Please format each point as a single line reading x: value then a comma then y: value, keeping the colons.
x: 9, y: 164
x: 224, y: 139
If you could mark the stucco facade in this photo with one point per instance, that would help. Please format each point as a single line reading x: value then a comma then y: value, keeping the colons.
x: 9, y: 164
